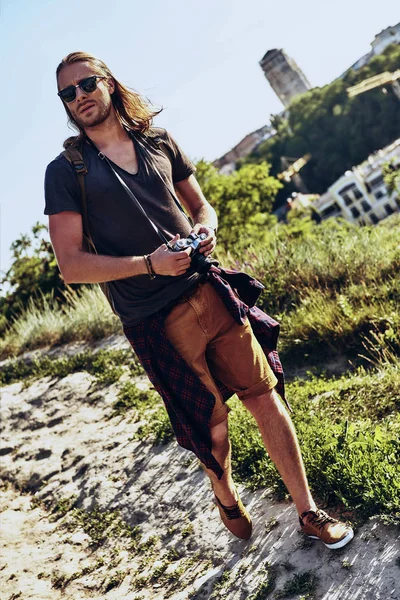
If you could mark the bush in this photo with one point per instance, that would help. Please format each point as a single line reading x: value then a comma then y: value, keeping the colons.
x: 86, y: 316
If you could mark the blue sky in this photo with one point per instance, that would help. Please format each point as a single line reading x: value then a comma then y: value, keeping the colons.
x: 199, y: 60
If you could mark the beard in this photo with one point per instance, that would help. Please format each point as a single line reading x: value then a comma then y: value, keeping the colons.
x: 100, y: 113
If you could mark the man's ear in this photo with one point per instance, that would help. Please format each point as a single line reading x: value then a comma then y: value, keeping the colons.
x: 111, y: 85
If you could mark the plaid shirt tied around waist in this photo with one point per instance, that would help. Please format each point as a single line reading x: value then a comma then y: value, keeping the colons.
x: 188, y: 401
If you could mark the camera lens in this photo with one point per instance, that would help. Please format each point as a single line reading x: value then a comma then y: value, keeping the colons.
x: 200, y: 263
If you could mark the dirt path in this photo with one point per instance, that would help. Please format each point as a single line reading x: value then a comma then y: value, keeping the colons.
x: 89, y: 512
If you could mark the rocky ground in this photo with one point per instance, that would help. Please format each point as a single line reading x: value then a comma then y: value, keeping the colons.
x: 90, y: 511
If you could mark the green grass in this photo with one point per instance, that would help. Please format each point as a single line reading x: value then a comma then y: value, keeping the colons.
x: 329, y: 285
x: 219, y: 588
x: 131, y: 397
x: 101, y: 525
x: 158, y: 429
x: 106, y: 365
x: 349, y: 433
x: 334, y: 288
x: 61, y: 580
x: 158, y: 576
x: 303, y: 583
x: 85, y: 316
x: 114, y: 581
x: 62, y: 507
x: 326, y: 326
x: 266, y: 585
x: 147, y: 406
x: 110, y: 536
x: 109, y: 533
x: 335, y: 258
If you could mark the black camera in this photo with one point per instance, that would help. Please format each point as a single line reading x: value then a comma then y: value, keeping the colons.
x: 199, y: 262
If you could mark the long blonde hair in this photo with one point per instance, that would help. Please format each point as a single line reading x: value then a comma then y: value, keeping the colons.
x: 133, y: 111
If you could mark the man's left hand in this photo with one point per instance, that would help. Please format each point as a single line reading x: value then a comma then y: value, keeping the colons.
x: 207, y: 245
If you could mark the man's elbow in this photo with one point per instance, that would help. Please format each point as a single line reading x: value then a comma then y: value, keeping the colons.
x: 68, y: 275
x: 69, y: 269
x: 70, y: 279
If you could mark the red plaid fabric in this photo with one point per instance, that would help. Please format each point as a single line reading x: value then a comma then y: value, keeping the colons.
x: 188, y: 402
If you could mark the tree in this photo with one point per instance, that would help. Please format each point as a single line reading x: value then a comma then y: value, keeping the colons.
x: 33, y: 273
x: 243, y: 201
x: 391, y: 175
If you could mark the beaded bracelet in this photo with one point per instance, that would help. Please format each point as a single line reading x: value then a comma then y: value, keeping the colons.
x: 150, y: 270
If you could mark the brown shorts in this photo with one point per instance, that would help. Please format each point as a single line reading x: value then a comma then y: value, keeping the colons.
x: 209, y: 339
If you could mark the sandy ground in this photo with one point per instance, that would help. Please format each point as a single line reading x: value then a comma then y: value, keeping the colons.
x: 59, y: 442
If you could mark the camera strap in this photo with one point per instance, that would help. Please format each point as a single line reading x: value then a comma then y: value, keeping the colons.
x: 130, y: 194
x: 164, y: 180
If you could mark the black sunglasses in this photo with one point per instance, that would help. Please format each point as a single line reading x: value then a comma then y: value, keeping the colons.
x: 88, y: 85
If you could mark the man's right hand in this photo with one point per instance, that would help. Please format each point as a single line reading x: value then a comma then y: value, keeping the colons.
x: 166, y: 262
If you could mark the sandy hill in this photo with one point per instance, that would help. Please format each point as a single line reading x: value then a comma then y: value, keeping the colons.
x: 88, y: 510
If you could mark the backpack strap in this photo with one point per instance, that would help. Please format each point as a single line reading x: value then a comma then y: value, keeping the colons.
x: 73, y: 154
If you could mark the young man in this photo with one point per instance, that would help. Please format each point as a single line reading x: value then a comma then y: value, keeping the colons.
x: 195, y: 338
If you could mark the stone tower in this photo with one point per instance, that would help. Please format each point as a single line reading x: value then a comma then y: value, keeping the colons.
x: 286, y: 78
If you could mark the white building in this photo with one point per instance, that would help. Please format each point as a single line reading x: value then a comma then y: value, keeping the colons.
x: 390, y: 35
x: 227, y: 163
x: 360, y: 195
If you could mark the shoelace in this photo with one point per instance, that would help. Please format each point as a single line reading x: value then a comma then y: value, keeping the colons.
x: 319, y: 518
x: 231, y: 512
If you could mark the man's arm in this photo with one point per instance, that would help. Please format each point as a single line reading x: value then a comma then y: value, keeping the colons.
x: 203, y: 215
x: 78, y: 266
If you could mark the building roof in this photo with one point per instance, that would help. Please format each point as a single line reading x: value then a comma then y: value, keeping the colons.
x: 378, y: 158
x: 388, y: 30
x: 270, y: 54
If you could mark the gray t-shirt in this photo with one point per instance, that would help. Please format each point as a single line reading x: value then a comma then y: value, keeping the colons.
x: 117, y: 226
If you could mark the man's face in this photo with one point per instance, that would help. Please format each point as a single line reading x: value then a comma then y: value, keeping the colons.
x: 88, y: 109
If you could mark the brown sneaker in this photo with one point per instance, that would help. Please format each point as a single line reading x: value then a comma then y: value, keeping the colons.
x: 236, y: 519
x: 317, y: 525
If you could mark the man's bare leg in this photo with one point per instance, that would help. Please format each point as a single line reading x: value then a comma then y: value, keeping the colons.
x: 281, y: 443
x: 224, y: 488
x: 280, y: 440
x: 283, y: 448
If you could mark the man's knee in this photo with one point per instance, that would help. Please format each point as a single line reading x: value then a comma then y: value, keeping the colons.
x: 264, y: 403
x: 219, y: 434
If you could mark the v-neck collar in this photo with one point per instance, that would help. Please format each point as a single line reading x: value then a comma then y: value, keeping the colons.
x: 137, y: 153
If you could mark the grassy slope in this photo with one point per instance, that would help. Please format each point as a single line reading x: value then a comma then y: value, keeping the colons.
x: 348, y: 426
x: 328, y: 284
x: 349, y: 431
x: 335, y: 289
